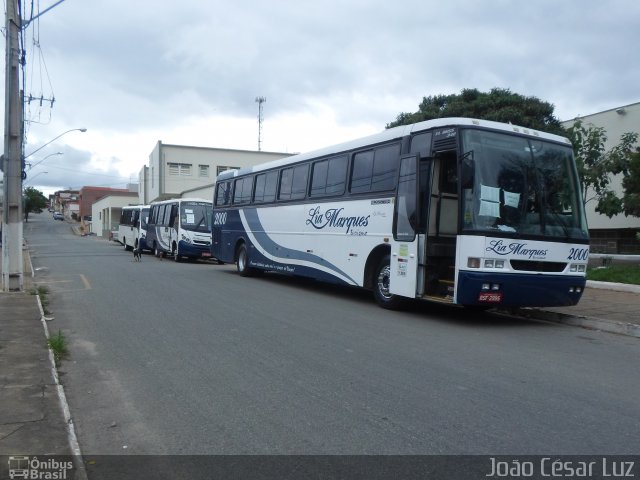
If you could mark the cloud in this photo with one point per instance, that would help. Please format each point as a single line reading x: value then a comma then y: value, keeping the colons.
x: 137, y: 72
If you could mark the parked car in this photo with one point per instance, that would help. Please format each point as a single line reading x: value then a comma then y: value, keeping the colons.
x: 58, y: 216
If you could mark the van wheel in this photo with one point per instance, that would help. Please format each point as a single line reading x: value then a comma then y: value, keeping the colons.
x: 381, y: 293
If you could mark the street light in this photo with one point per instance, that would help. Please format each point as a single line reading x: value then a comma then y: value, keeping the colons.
x: 31, y: 165
x: 39, y: 173
x: 54, y: 139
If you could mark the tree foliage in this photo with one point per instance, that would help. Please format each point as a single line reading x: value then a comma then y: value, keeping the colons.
x: 500, y: 105
x: 597, y: 166
x: 34, y: 201
x: 631, y: 186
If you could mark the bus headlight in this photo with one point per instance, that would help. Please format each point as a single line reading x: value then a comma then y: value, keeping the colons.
x: 473, y: 262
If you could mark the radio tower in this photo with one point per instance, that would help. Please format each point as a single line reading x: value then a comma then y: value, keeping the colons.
x: 260, y: 101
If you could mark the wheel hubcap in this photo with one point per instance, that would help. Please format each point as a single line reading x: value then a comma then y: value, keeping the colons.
x: 383, y: 282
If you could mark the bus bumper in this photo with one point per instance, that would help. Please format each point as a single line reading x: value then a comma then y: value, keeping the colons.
x: 194, y: 251
x: 518, y: 290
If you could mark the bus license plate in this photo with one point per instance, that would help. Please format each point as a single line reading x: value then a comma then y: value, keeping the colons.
x: 490, y: 297
x: 206, y: 254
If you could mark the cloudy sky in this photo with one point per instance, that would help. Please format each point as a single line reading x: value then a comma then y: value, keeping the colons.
x: 133, y: 72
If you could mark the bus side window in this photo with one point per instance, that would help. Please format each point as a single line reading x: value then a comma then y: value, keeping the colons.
x: 421, y: 143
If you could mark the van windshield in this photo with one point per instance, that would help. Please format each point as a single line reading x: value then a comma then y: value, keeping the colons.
x: 196, y: 216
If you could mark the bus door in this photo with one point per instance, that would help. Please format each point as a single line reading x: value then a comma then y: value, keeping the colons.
x: 404, y: 263
x: 442, y: 227
x: 174, y: 226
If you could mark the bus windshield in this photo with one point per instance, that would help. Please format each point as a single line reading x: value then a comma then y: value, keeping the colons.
x: 196, y: 216
x: 519, y: 186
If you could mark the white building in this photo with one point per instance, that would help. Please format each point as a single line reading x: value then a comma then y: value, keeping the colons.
x: 105, y: 213
x: 174, y: 169
x: 616, y: 234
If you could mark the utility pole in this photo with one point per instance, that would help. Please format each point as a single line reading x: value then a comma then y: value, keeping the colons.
x: 12, y: 269
x: 260, y: 101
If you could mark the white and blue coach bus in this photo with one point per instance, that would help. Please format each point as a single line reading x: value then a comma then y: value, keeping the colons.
x: 453, y: 210
x: 180, y: 228
x: 132, y: 229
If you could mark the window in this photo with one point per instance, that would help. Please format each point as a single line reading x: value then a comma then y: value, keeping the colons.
x: 242, y: 190
x: 328, y: 177
x: 203, y: 171
x: 385, y: 167
x: 266, y: 184
x: 293, y: 182
x: 406, y: 207
x: 180, y: 169
x: 375, y: 171
x: 362, y: 171
x: 421, y: 143
x: 167, y: 214
x: 223, y: 192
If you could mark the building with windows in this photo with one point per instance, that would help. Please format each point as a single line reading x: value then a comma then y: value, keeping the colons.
x: 89, y: 195
x: 616, y: 234
x: 174, y: 169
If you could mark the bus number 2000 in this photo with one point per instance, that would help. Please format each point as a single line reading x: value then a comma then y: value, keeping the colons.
x: 578, y: 254
x: 220, y: 218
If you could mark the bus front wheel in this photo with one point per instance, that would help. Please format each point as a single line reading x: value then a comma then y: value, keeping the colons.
x: 381, y: 292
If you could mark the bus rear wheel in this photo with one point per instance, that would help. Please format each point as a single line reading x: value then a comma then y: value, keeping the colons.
x: 381, y: 292
x: 242, y: 262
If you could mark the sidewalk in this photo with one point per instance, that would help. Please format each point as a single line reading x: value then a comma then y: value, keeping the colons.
x: 32, y: 418
x: 610, y: 307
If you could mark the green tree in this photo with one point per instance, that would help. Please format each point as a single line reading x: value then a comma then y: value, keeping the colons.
x: 597, y: 166
x: 34, y: 201
x: 500, y: 105
x: 631, y: 186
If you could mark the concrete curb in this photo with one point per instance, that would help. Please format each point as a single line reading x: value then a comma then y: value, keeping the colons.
x: 62, y: 398
x: 591, y: 323
x: 620, y: 287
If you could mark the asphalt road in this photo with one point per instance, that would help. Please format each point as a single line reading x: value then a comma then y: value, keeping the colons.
x: 191, y: 358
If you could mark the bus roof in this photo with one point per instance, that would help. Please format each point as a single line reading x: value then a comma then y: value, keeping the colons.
x: 189, y: 199
x: 391, y: 134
